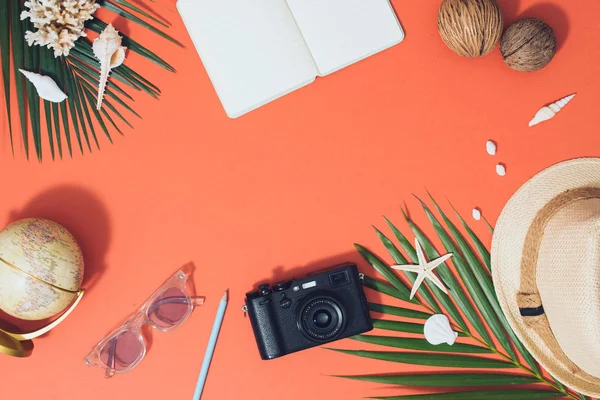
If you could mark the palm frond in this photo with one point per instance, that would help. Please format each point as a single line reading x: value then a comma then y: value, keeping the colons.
x: 448, y: 380
x: 5, y: 18
x: 19, y: 49
x: 421, y: 344
x: 516, y: 394
x: 397, y: 311
x: 430, y: 359
x: 77, y: 75
x: 470, y: 290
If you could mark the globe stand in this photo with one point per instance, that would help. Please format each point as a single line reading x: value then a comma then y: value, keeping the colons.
x: 14, y: 347
x: 20, y: 344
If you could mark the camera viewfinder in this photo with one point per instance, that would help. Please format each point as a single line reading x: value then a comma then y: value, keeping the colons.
x: 338, y: 279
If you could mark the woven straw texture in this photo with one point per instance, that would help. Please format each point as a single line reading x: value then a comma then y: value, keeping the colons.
x: 562, y: 241
x: 528, y: 45
x: 470, y: 28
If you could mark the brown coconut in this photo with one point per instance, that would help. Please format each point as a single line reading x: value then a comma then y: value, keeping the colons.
x: 528, y: 45
x: 470, y: 28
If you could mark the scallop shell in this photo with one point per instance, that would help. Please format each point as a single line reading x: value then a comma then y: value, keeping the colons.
x: 437, y: 330
x: 549, y: 111
x: 45, y: 86
x: 107, y: 48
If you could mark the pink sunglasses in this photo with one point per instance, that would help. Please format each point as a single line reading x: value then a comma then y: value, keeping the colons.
x: 125, y: 347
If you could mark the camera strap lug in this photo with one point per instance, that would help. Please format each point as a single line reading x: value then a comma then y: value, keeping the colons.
x: 245, y: 310
x: 361, y: 276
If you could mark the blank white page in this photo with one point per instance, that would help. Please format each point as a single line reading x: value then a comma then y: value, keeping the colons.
x: 342, y: 32
x: 252, y: 50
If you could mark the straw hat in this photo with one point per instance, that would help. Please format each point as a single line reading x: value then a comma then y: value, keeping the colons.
x: 546, y: 270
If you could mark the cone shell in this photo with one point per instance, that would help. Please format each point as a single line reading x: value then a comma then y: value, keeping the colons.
x: 548, y: 112
x: 45, y: 86
x: 437, y: 330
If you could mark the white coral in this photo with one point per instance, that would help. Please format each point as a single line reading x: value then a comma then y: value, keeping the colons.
x: 59, y: 23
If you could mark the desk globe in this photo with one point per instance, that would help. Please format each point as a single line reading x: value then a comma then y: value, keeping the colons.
x: 41, y: 269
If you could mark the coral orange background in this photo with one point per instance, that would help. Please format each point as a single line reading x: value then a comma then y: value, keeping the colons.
x: 283, y: 190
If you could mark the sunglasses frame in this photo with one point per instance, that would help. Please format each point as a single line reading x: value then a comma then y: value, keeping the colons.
x: 138, y: 319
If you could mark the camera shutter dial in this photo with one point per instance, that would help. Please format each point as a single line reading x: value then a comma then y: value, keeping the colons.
x: 264, y: 289
x: 278, y: 287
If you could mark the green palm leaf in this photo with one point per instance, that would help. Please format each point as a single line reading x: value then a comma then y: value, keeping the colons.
x: 382, y: 287
x: 398, y: 326
x: 77, y: 75
x: 398, y: 311
x: 430, y: 359
x: 401, y: 326
x: 30, y: 63
x: 83, y: 106
x: 473, y: 285
x: 386, y: 271
x: 478, y: 303
x: 481, y: 249
x: 515, y: 394
x: 442, y: 298
x: 485, y: 283
x: 420, y: 344
x: 5, y: 24
x: 447, y: 380
x: 117, y: 10
x: 140, y: 11
x: 455, y: 290
x: 19, y: 48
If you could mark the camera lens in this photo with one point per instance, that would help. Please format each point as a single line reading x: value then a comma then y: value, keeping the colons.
x: 321, y: 318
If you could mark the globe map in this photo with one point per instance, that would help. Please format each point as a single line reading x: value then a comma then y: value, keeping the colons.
x: 41, y: 269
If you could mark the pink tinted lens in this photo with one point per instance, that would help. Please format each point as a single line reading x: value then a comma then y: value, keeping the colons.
x: 122, y: 351
x: 170, y: 308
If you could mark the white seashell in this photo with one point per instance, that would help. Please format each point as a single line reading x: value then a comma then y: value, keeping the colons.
x: 550, y: 111
x: 476, y: 214
x: 437, y: 330
x: 45, y: 86
x: 107, y: 48
x: 490, y: 147
x: 500, y: 169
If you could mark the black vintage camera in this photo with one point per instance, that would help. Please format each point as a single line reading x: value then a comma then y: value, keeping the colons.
x: 304, y: 313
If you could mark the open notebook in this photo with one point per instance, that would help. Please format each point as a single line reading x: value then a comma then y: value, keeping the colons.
x: 258, y: 50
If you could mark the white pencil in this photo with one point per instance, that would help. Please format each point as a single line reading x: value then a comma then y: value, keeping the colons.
x: 211, y: 346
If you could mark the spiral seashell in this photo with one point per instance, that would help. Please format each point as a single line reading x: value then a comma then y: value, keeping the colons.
x: 549, y: 111
x: 437, y: 330
x: 45, y: 86
x: 107, y: 48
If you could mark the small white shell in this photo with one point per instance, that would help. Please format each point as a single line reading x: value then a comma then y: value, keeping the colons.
x: 45, y: 86
x: 476, y: 214
x: 500, y: 169
x: 490, y: 147
x: 550, y: 111
x: 437, y: 330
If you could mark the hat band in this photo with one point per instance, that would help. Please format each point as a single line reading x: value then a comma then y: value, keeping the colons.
x: 528, y: 298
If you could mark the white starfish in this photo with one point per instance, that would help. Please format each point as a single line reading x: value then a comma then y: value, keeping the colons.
x: 424, y: 269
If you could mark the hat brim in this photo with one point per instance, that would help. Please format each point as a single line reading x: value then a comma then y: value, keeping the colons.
x: 507, y: 249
